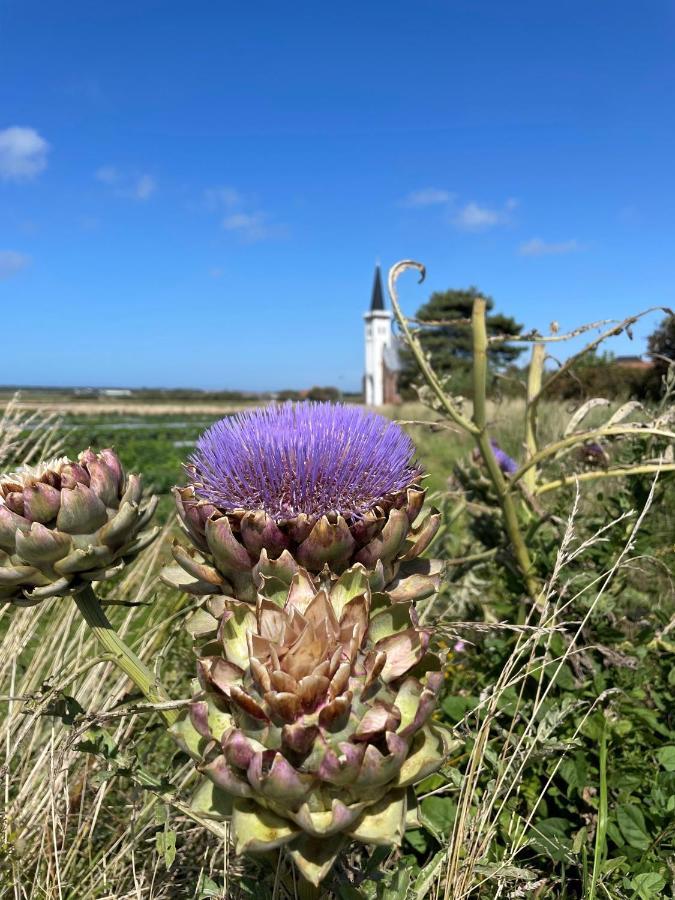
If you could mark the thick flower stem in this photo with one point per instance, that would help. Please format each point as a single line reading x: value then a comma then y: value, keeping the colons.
x: 534, y: 381
x: 515, y: 535
x: 95, y: 617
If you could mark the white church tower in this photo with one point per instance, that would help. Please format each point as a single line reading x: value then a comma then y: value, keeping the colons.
x: 381, y: 355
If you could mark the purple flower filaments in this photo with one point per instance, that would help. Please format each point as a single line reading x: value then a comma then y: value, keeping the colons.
x: 311, y: 458
x: 508, y: 465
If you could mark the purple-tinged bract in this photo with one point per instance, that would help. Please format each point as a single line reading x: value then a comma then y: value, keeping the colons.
x: 311, y: 458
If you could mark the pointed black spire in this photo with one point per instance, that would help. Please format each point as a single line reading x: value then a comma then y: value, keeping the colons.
x: 377, y: 301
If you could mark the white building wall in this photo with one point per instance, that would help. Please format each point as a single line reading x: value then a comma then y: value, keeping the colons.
x: 378, y: 336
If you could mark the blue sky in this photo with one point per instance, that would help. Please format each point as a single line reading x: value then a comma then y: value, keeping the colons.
x: 196, y: 193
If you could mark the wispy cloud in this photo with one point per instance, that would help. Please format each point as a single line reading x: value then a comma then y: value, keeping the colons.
x: 137, y: 186
x: 11, y: 262
x: 254, y: 226
x: 538, y: 247
x: 222, y: 198
x: 430, y: 196
x: 144, y: 187
x: 474, y: 217
x: 23, y: 153
x: 108, y: 175
x: 241, y: 218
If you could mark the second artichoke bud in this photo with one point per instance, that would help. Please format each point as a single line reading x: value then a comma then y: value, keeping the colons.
x: 65, y: 523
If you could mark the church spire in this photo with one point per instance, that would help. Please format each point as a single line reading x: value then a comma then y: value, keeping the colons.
x: 377, y: 300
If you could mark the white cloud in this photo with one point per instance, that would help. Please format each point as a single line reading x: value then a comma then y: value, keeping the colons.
x: 23, y: 153
x: 474, y: 217
x: 222, y: 197
x: 108, y: 175
x: 538, y: 247
x: 137, y: 186
x: 430, y: 196
x: 144, y: 187
x: 12, y: 262
x: 250, y: 226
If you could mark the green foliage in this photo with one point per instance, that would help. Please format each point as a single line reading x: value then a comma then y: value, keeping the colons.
x: 449, y: 345
x: 603, y: 376
x: 324, y: 394
x: 662, y: 343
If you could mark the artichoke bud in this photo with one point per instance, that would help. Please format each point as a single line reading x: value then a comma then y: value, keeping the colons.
x: 314, y: 716
x: 64, y: 523
x: 316, y: 685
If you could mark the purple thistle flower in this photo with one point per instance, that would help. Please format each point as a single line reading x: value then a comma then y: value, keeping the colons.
x: 508, y: 465
x: 311, y: 458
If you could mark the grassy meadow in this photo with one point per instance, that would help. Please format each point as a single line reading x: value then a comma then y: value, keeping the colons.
x: 562, y: 780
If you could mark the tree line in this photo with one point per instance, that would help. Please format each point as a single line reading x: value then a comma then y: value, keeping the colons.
x: 444, y: 333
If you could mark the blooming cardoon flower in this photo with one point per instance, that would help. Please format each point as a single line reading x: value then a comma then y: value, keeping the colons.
x: 311, y: 484
x: 311, y: 458
x: 64, y: 524
x: 314, y: 716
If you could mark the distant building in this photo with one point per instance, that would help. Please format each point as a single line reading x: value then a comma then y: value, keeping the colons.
x: 114, y: 392
x: 633, y: 362
x: 380, y: 382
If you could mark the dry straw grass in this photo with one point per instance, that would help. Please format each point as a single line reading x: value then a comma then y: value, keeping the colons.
x: 63, y: 833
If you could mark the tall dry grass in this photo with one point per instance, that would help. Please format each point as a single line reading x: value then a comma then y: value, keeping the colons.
x: 68, y: 832
x: 65, y: 831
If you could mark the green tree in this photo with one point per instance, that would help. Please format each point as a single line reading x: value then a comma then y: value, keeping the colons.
x: 662, y: 343
x: 449, y: 345
x: 324, y: 394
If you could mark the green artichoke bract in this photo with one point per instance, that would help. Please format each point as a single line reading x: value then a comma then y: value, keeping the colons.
x: 316, y: 485
x: 65, y: 523
x: 313, y: 718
